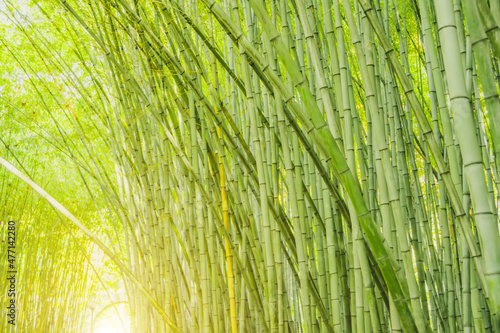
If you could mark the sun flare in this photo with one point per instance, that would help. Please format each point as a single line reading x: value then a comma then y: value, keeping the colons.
x: 109, y: 322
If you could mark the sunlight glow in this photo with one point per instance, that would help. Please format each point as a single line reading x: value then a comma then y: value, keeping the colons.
x: 108, y: 327
x: 109, y: 322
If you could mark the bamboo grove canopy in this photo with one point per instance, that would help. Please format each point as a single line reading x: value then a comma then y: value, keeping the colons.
x: 254, y: 165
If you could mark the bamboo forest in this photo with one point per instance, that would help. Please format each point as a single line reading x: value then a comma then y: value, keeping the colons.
x: 236, y: 166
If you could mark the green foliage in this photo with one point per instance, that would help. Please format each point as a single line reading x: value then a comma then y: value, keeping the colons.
x: 283, y: 166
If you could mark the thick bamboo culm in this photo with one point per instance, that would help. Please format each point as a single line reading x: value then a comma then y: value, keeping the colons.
x: 274, y: 166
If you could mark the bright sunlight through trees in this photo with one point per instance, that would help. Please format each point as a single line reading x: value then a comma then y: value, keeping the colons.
x: 283, y: 166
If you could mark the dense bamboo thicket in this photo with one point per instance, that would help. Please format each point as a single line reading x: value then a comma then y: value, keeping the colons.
x: 268, y: 166
x: 54, y: 279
